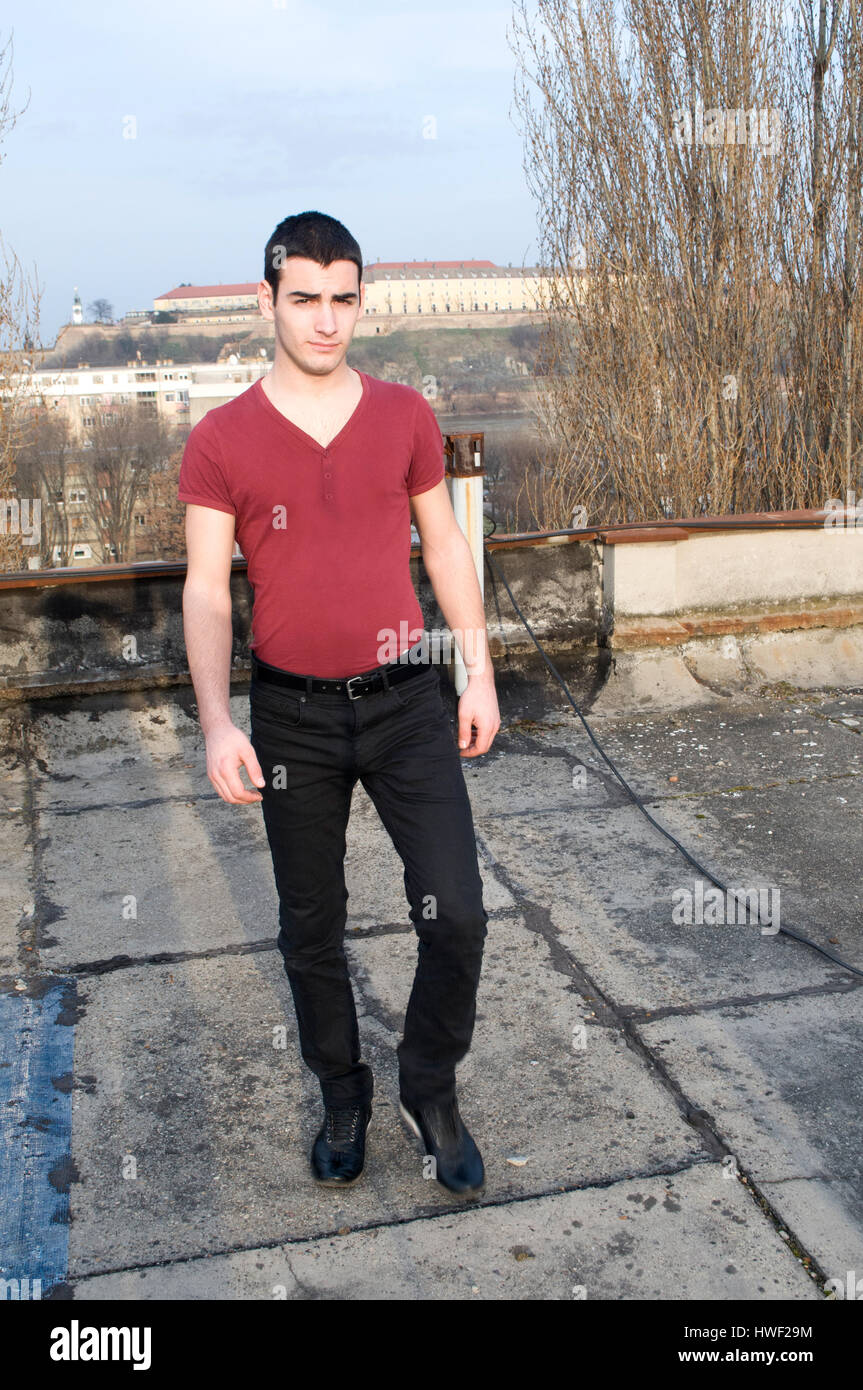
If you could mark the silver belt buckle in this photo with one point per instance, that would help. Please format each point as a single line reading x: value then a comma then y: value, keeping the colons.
x: 348, y: 685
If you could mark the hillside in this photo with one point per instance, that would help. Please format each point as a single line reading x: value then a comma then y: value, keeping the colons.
x: 473, y: 370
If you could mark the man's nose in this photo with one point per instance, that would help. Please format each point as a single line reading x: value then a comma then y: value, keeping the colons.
x: 325, y: 321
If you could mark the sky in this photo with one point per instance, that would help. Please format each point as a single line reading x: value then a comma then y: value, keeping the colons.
x: 163, y: 142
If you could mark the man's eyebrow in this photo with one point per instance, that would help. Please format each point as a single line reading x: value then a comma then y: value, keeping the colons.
x: 307, y: 294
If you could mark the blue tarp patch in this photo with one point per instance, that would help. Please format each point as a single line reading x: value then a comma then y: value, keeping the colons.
x: 37, y: 1039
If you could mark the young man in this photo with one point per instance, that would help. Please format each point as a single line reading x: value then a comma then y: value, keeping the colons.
x: 315, y: 469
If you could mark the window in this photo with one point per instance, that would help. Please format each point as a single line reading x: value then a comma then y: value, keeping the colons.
x: 140, y: 519
x: 78, y: 494
x: 86, y: 400
x: 169, y: 395
x: 88, y: 421
x: 97, y: 380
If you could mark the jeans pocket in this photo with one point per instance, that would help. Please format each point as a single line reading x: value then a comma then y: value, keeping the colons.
x: 427, y: 685
x: 275, y: 705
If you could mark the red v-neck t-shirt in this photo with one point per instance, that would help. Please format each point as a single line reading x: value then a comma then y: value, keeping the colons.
x: 326, y: 531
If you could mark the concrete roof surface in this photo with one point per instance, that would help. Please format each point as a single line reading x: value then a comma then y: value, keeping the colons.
x: 699, y: 1139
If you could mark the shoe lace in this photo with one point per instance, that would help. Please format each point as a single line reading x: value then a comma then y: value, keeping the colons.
x: 342, y: 1125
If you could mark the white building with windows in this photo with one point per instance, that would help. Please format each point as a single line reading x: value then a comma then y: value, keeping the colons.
x: 451, y: 287
x: 181, y: 393
x: 392, y: 287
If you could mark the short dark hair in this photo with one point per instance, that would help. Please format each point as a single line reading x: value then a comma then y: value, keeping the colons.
x: 314, y: 236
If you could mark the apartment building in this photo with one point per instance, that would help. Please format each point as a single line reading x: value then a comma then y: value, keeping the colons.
x: 182, y: 394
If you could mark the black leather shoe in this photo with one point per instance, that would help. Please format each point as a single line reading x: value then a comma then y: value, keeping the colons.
x: 458, y: 1162
x: 339, y: 1151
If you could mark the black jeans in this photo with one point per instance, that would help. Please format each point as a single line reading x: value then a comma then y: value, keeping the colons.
x: 399, y: 743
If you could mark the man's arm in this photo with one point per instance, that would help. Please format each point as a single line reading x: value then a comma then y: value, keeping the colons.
x: 207, y: 629
x: 450, y: 567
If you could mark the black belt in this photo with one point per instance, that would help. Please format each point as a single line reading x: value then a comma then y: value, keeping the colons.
x: 355, y: 687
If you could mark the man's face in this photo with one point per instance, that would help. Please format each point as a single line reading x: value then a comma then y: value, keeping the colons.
x: 315, y: 312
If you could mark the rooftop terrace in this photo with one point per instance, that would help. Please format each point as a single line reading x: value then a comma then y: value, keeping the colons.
x: 665, y: 1111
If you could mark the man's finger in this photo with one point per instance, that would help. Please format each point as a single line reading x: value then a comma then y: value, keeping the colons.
x: 484, y: 738
x: 476, y: 746
x: 219, y: 786
x: 234, y: 783
x: 253, y: 767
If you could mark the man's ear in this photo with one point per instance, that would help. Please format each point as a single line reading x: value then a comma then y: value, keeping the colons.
x: 265, y: 299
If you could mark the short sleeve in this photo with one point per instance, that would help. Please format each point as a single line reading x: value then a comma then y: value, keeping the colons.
x: 202, y: 478
x: 427, y: 463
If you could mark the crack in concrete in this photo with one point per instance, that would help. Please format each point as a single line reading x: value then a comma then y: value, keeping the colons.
x: 457, y: 1208
x: 239, y: 948
x: 731, y: 1001
x: 32, y: 927
x: 562, y: 959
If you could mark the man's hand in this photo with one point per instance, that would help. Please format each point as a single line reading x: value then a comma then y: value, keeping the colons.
x: 477, y: 710
x: 228, y: 749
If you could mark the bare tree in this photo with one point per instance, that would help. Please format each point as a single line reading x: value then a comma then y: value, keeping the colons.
x: 823, y: 262
x: 167, y: 529
x: 851, y: 53
x: 101, y: 311
x: 126, y: 446
x: 704, y: 256
x: 19, y: 318
x: 46, y: 466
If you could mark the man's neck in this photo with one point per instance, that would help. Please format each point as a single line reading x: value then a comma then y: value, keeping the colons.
x: 285, y: 379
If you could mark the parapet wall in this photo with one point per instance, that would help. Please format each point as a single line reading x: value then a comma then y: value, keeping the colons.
x: 666, y: 614
x: 122, y: 627
x: 713, y: 606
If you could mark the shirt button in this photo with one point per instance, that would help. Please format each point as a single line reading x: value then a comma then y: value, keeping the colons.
x: 328, y: 475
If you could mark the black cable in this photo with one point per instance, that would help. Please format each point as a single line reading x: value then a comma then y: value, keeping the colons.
x: 788, y: 931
